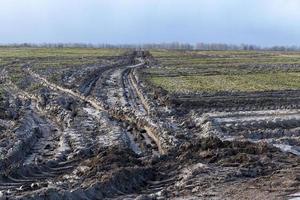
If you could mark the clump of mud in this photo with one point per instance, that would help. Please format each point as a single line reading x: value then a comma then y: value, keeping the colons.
x: 9, y: 106
x: 235, y: 154
x: 113, y: 172
x: 209, y: 168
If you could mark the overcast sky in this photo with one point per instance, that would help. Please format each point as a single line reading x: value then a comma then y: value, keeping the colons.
x: 262, y: 22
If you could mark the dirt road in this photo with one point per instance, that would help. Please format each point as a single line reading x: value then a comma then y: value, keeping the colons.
x: 106, y: 134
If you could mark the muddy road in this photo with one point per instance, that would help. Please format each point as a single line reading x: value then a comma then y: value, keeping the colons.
x: 101, y: 132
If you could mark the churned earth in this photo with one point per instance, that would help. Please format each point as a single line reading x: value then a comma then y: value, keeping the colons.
x: 98, y: 129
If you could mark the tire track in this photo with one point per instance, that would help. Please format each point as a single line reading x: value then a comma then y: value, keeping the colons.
x: 280, y: 128
x: 142, y: 122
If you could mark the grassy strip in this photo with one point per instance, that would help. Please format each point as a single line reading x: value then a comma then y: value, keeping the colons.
x: 214, y: 83
x: 57, y: 52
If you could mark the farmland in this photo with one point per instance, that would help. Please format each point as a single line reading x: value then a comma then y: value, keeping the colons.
x: 80, y: 123
x: 228, y: 83
x: 214, y: 71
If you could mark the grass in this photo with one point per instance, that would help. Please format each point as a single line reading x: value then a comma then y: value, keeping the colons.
x: 212, y: 71
x: 9, y: 52
x: 230, y: 83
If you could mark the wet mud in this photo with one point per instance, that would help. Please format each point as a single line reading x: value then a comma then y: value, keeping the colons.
x: 102, y: 132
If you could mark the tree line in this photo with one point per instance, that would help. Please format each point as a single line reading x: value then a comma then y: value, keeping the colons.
x: 168, y: 46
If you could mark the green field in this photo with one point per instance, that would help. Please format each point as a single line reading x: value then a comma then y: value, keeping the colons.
x: 247, y: 82
x: 177, y: 71
x: 54, y: 57
x: 213, y: 71
x: 22, y: 52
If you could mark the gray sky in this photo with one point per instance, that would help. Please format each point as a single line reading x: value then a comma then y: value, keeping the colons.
x: 262, y: 22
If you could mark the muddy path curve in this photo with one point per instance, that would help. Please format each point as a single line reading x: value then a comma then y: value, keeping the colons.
x: 112, y: 142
